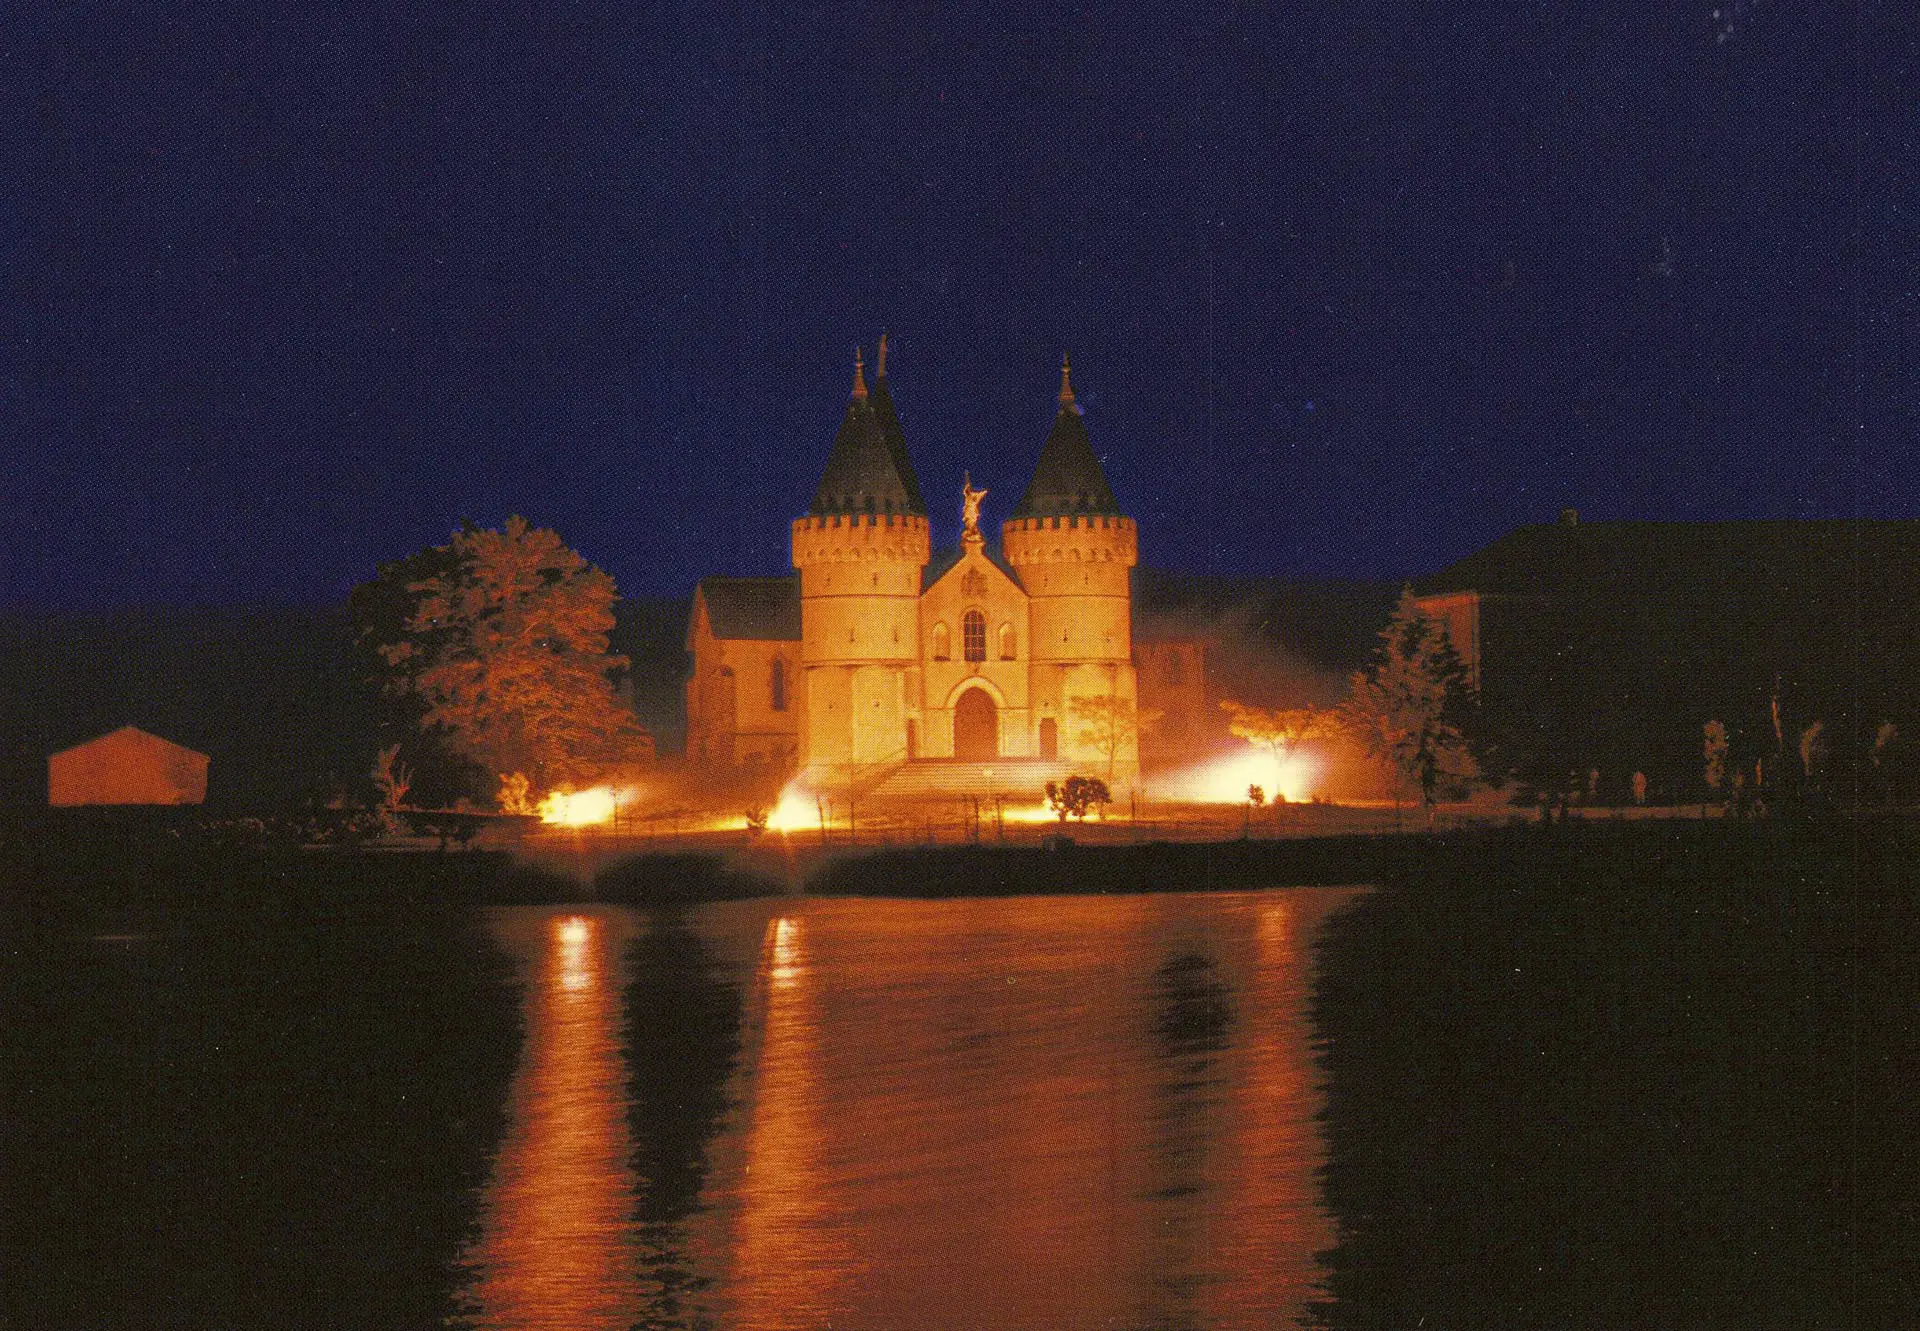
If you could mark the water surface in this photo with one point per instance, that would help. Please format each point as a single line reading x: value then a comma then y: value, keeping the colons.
x: 1058, y: 1112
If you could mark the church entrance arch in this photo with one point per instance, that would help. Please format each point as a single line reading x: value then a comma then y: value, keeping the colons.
x: 1049, y: 738
x: 976, y: 727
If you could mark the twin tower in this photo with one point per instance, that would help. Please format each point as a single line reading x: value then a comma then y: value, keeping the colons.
x: 979, y: 654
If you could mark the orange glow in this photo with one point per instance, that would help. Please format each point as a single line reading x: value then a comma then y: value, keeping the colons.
x: 553, y: 1250
x: 796, y: 811
x: 1225, y: 780
x: 579, y: 808
x: 1029, y: 813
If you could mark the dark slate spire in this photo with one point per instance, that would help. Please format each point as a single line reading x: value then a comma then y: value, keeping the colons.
x: 890, y: 430
x: 1068, y: 478
x: 861, y: 476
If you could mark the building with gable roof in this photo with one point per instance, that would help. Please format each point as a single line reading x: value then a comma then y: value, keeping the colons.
x: 1598, y: 649
x: 880, y: 654
x: 126, y: 766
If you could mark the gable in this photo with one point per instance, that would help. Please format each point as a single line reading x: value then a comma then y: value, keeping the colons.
x: 133, y: 743
x: 976, y: 578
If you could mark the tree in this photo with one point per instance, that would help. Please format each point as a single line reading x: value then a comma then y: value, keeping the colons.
x: 504, y: 648
x: 1077, y: 797
x: 1111, y: 725
x: 1407, y: 709
x: 392, y: 779
x: 1813, y: 757
x: 1885, y: 737
x: 1280, y: 730
x: 1714, y: 739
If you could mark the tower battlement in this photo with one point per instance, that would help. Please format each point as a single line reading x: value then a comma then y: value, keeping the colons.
x: 1070, y: 539
x: 842, y: 538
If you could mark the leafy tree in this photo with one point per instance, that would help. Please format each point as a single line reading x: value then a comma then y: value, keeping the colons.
x: 1111, y: 725
x: 1279, y: 730
x: 1407, y: 710
x: 1078, y: 797
x: 504, y: 650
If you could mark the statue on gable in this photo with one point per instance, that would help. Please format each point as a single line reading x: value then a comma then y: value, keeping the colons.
x: 970, y: 508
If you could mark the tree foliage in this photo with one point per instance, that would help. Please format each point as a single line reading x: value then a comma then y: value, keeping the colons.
x: 503, y: 648
x: 1078, y: 797
x: 1279, y: 730
x: 1408, y: 709
x: 1110, y: 725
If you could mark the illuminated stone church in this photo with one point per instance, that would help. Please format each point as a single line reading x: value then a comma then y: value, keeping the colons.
x: 882, y: 654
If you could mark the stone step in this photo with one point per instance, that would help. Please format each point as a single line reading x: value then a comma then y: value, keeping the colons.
x: 928, y: 778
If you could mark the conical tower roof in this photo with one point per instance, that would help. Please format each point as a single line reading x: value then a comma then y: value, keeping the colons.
x: 1068, y: 478
x: 862, y: 475
x: 883, y: 412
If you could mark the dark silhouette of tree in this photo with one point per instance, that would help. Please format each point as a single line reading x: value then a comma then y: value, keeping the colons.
x: 502, y: 649
x: 1078, y: 797
x: 1409, y: 708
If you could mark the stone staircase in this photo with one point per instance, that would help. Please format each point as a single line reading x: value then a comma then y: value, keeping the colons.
x: 1022, y: 779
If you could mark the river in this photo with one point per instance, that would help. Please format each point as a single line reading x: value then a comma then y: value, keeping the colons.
x: 1029, y: 1112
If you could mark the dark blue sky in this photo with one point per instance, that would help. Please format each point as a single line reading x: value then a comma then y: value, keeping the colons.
x: 1350, y: 288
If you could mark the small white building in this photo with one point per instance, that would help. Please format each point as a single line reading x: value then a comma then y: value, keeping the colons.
x: 128, y: 766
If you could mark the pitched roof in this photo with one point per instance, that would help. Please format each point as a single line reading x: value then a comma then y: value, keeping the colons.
x: 943, y: 562
x: 1068, y: 477
x: 1795, y: 559
x: 755, y: 609
x: 883, y: 412
x: 866, y: 472
x: 130, y: 734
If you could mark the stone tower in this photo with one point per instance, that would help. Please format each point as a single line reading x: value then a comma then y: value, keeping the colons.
x: 860, y: 550
x: 1073, y: 549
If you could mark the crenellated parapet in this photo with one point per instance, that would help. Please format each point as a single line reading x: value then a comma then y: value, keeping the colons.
x: 849, y: 538
x: 1073, y: 538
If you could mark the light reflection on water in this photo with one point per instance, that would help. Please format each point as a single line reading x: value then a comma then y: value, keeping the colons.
x: 1037, y: 1112
x: 554, y: 1248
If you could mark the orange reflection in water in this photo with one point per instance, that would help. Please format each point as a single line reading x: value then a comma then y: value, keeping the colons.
x: 1267, y: 1215
x: 1024, y: 1113
x: 554, y: 1248
x: 791, y: 1263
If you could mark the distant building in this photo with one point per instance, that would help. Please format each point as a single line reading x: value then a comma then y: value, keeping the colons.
x: 1607, y: 645
x: 1186, y: 724
x: 744, y: 637
x: 128, y: 766
x: 880, y: 652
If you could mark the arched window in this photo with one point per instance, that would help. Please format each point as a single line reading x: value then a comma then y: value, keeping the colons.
x: 1175, y: 668
x: 973, y: 635
x: 942, y: 643
x: 1008, y: 643
x: 778, y: 683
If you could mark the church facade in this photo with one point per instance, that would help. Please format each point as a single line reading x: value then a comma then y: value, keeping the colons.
x: 879, y: 652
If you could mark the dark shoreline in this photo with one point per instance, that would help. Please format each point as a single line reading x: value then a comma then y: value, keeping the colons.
x: 54, y: 872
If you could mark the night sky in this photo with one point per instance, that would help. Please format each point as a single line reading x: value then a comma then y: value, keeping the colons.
x: 1350, y: 288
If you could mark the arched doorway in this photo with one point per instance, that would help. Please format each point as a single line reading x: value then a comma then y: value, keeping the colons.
x: 1049, y: 738
x: 976, y: 727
